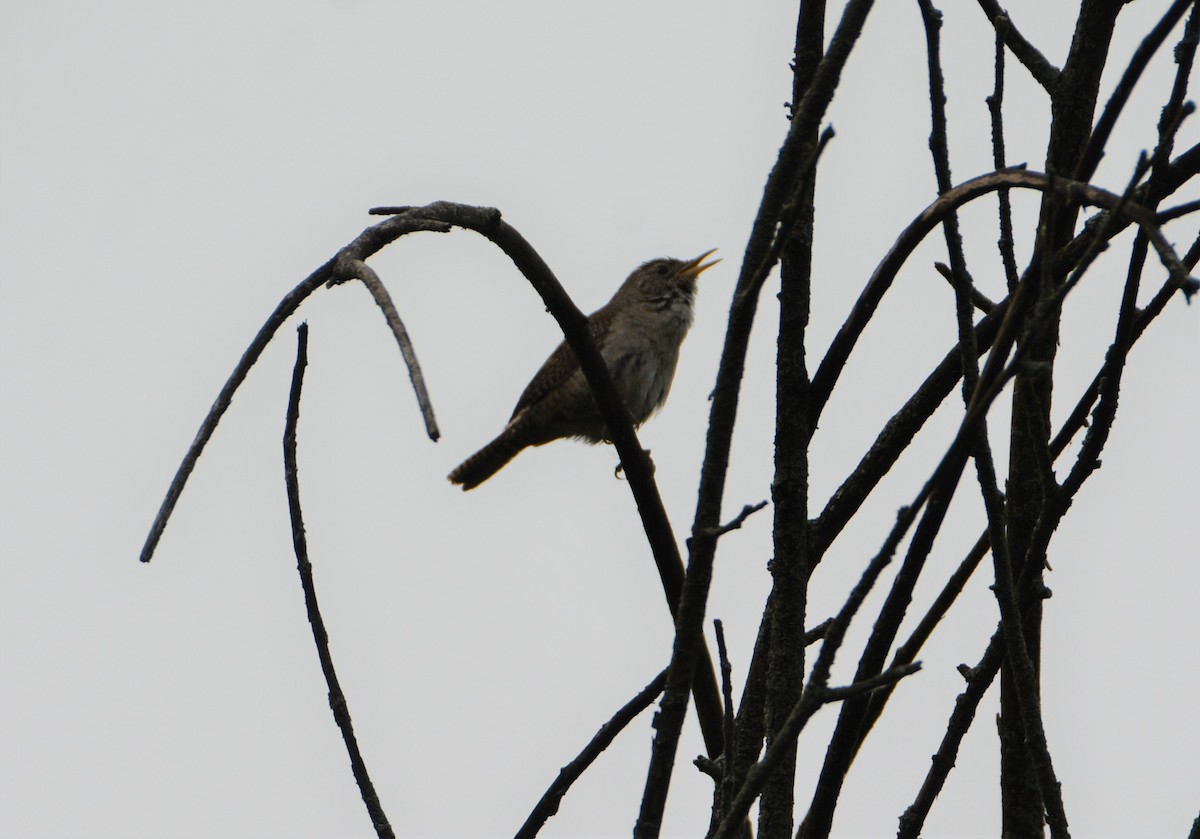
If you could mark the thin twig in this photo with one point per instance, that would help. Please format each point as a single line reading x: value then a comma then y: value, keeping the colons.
x: 726, y: 695
x: 1120, y: 95
x: 1178, y: 211
x: 1072, y: 191
x: 736, y: 523
x: 887, y: 678
x: 980, y: 678
x: 978, y: 299
x: 290, y: 303
x: 547, y: 806
x: 1045, y: 73
x: 337, y: 699
x: 347, y: 267
x: 995, y: 104
x: 817, y: 633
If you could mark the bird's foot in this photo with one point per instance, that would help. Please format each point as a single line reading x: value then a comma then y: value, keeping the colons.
x: 621, y: 466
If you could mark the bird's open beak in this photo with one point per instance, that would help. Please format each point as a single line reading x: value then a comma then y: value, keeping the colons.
x: 693, y: 268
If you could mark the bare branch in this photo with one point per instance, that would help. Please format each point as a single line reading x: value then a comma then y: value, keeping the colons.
x: 1120, y: 95
x: 887, y: 678
x: 547, y: 806
x: 781, y: 187
x: 881, y: 280
x: 283, y: 311
x: 995, y: 104
x: 337, y: 699
x: 1043, y: 72
x: 347, y: 267
x: 736, y: 523
x: 726, y: 693
x: 979, y: 679
x: 978, y: 299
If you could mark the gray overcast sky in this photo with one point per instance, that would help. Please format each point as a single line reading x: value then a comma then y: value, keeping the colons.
x: 168, y: 171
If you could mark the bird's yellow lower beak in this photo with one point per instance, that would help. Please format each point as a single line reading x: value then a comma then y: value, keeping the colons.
x: 693, y: 268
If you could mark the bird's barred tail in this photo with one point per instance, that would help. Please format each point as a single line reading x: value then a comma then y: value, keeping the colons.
x: 487, y: 461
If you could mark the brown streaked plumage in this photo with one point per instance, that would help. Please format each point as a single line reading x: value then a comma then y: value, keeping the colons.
x: 639, y: 332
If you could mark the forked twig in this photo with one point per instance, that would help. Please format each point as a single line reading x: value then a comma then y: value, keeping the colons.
x: 286, y: 308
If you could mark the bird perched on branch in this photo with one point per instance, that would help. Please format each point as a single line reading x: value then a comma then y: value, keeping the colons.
x: 639, y: 332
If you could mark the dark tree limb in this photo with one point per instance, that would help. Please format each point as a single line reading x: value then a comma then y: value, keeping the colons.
x: 795, y: 159
x: 885, y: 273
x: 726, y: 695
x: 547, y: 806
x: 440, y: 217
x: 995, y: 104
x: 1120, y: 95
x: 283, y: 311
x: 1043, y: 72
x: 488, y: 223
x: 792, y: 562
x: 979, y: 678
x: 337, y: 699
x: 816, y: 692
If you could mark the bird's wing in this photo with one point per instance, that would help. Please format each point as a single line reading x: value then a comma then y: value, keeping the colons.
x: 562, y: 364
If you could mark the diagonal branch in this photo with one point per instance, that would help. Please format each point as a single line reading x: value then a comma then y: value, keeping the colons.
x: 547, y: 806
x: 348, y: 268
x: 1043, y: 72
x: 1120, y: 95
x: 885, y: 273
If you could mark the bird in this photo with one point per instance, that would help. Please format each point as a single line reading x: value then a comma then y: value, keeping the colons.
x: 638, y: 332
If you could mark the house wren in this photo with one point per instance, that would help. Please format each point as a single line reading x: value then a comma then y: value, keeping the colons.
x: 638, y: 333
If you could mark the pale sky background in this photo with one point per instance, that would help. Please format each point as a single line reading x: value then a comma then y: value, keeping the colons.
x: 169, y: 171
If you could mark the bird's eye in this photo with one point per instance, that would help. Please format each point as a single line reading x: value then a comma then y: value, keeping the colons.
x: 661, y: 270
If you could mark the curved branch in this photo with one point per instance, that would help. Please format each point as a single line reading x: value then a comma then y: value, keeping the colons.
x: 439, y: 217
x: 337, y: 699
x: 286, y: 308
x: 348, y: 268
x: 487, y: 222
x: 881, y: 280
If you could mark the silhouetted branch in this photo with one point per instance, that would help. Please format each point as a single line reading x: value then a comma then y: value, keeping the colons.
x: 337, y: 699
x: 726, y: 688
x: 487, y: 222
x: 978, y: 299
x: 736, y: 523
x: 864, y: 309
x: 813, y: 696
x: 1120, y: 95
x: 887, y: 678
x: 781, y: 187
x: 346, y: 268
x: 995, y: 104
x: 547, y: 806
x: 1043, y: 72
x: 282, y: 312
x: 979, y: 678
